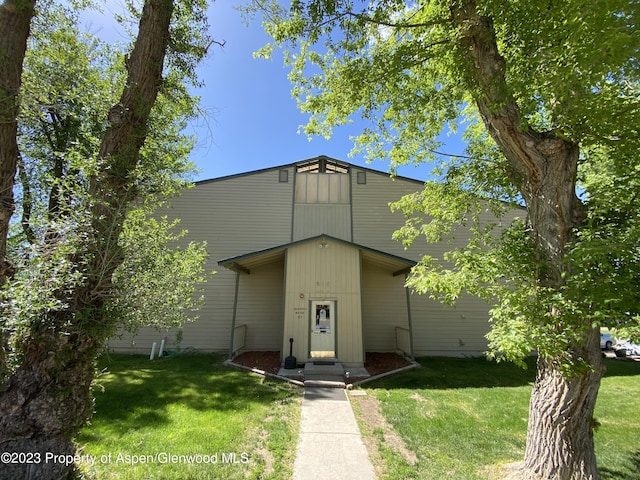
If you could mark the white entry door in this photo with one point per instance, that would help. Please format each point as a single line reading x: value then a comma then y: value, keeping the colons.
x: 323, y: 329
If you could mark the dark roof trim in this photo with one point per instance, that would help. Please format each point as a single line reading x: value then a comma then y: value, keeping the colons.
x: 308, y: 160
x: 233, y: 262
x: 323, y: 165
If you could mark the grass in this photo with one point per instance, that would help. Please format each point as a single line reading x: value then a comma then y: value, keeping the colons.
x: 189, y: 417
x: 462, y: 417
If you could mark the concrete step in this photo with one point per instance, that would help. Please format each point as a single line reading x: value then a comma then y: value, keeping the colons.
x: 323, y: 369
x: 324, y: 381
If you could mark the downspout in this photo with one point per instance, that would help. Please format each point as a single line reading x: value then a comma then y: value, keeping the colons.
x: 364, y: 353
x: 233, y: 317
x: 293, y: 200
x: 409, y: 320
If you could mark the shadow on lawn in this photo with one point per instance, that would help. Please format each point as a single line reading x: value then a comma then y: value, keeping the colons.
x: 446, y: 373
x: 624, y: 367
x: 629, y: 470
x: 138, y: 392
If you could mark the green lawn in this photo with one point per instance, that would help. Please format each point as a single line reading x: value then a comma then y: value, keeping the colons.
x: 192, y: 418
x: 189, y: 418
x: 461, y: 417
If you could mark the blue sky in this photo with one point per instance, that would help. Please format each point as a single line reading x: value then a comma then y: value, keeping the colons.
x: 252, y: 121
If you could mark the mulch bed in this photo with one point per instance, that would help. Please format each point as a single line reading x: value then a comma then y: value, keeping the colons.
x: 376, y: 363
x: 266, y: 361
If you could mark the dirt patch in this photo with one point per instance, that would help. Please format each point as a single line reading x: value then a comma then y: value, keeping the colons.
x: 376, y: 363
x: 426, y: 407
x: 267, y: 457
x: 368, y: 409
x: 507, y: 471
x: 417, y: 397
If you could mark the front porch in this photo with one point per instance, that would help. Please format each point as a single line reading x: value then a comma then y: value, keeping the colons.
x: 376, y: 364
x: 321, y: 299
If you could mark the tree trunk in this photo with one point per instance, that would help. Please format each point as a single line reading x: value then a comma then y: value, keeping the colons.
x: 544, y: 168
x: 15, y: 24
x: 47, y: 399
x: 44, y: 403
x: 560, y: 434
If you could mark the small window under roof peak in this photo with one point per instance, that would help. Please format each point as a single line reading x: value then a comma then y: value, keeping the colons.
x: 322, y: 165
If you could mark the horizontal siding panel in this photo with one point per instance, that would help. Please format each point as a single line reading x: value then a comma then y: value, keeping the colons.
x: 373, y: 222
x: 260, y: 307
x: 235, y: 216
x: 438, y: 329
x: 384, y: 307
x: 210, y: 332
x: 449, y: 331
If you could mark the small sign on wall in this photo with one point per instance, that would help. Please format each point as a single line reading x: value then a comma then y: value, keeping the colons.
x: 300, y: 313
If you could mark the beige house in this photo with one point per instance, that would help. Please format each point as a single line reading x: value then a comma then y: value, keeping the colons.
x: 305, y: 252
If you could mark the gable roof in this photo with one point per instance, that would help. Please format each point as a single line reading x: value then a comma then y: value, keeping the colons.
x: 307, y: 164
x: 248, y: 261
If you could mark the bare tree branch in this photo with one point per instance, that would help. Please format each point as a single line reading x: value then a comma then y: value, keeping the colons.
x: 400, y: 25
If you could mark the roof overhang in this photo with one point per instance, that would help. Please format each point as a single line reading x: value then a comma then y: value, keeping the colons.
x: 249, y: 261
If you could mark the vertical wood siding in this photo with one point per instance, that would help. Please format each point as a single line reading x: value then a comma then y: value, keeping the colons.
x: 310, y: 220
x: 315, y: 273
x: 322, y: 188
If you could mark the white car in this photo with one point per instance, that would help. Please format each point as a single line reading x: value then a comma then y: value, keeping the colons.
x: 627, y: 349
x: 606, y: 341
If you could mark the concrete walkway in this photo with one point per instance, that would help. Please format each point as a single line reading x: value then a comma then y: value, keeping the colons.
x: 330, y: 445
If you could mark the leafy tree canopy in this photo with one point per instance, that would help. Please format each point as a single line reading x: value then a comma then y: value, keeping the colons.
x: 70, y: 81
x: 570, y: 72
x: 102, y: 146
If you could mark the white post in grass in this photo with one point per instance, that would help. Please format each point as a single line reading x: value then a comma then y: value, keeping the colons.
x: 153, y: 351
